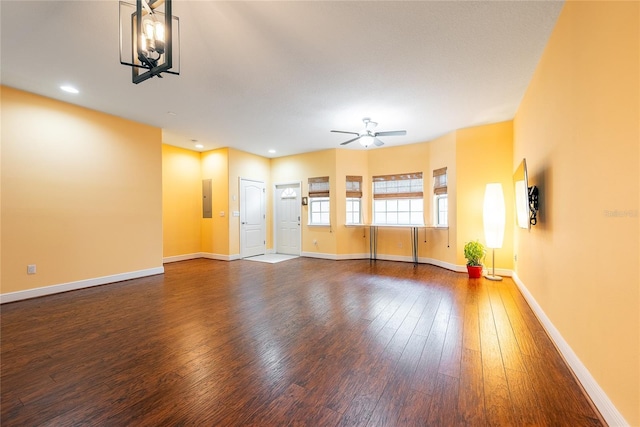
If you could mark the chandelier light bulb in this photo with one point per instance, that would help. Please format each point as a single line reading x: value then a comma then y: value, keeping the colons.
x: 143, y: 45
x: 159, y: 32
x: 148, y: 37
x: 148, y: 28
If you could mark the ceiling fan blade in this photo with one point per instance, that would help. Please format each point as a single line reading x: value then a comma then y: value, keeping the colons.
x: 351, y: 140
x: 392, y: 133
x: 343, y: 131
x: 377, y: 142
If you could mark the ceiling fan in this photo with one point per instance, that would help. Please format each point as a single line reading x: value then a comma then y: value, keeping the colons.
x: 368, y: 135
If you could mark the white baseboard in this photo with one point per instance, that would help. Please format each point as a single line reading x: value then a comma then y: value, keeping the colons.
x: 488, y: 270
x: 443, y: 264
x: 207, y: 255
x: 344, y: 257
x: 220, y: 257
x: 320, y: 255
x: 340, y: 257
x: 80, y: 284
x: 607, y: 409
x: 185, y: 257
x: 402, y: 258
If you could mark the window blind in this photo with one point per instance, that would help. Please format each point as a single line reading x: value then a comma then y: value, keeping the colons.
x: 399, y: 186
x: 319, y: 187
x: 354, y: 186
x: 440, y: 181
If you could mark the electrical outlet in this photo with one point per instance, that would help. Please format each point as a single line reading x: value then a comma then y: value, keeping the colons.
x: 315, y: 242
x: 515, y: 257
x: 31, y: 269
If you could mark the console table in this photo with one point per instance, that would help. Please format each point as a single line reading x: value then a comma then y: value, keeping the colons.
x: 373, y: 237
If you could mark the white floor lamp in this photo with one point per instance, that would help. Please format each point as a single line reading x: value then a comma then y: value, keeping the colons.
x: 493, y: 216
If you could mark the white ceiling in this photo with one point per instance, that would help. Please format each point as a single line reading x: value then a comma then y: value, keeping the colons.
x: 280, y: 75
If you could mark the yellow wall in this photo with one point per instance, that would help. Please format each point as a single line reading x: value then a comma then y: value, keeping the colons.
x: 484, y: 154
x: 82, y: 193
x: 341, y: 241
x: 395, y: 160
x: 181, y: 201
x: 578, y: 127
x: 352, y: 240
x: 215, y: 230
x: 485, y: 151
x: 247, y: 166
x: 300, y: 168
x: 441, y: 244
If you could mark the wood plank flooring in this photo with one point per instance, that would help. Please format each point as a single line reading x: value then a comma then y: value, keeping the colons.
x: 305, y: 342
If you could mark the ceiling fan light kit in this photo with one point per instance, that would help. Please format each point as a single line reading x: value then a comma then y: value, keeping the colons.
x: 368, y: 136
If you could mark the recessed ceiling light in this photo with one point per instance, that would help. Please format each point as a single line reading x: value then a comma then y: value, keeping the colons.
x: 199, y: 146
x: 69, y: 89
x: 272, y: 151
x: 171, y: 113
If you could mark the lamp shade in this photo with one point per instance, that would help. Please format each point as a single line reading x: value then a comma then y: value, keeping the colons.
x: 494, y: 215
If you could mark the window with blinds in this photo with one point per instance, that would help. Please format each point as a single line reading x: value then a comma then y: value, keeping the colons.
x: 319, y: 187
x: 440, y: 199
x: 400, y: 186
x: 440, y: 181
x: 354, y: 186
x: 354, y: 197
x: 319, y: 206
x: 398, y: 199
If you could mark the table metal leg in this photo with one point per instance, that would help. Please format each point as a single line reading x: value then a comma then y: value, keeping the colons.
x: 414, y: 245
x: 373, y: 243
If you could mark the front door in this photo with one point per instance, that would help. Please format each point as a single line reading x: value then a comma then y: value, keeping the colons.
x: 287, y: 219
x: 252, y: 218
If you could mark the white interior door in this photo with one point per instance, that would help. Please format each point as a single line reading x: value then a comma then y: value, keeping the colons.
x: 287, y: 219
x: 252, y: 218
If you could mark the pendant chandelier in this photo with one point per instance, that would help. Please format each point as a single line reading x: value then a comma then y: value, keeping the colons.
x: 149, y: 39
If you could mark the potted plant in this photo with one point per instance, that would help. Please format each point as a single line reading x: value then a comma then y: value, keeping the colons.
x: 474, y: 252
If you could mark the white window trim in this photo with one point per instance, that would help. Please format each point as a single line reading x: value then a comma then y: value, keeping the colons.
x: 312, y: 201
x: 436, y: 210
x: 421, y: 199
x: 359, y: 201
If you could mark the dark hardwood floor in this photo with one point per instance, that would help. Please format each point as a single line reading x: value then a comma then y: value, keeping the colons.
x: 304, y: 342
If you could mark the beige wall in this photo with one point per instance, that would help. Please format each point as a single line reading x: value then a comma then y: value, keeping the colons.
x: 81, y: 190
x: 578, y: 128
x: 181, y: 201
x: 484, y: 154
